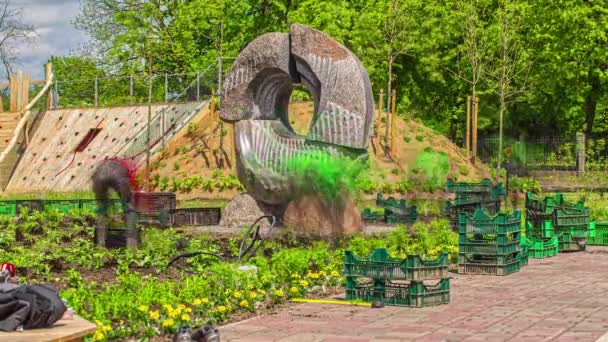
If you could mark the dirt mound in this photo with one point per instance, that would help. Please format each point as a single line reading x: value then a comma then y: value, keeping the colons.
x: 193, y: 157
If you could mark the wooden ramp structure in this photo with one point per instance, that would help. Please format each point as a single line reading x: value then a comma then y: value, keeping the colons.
x: 62, y: 331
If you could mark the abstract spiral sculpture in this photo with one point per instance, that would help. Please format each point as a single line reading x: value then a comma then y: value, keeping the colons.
x: 256, y: 96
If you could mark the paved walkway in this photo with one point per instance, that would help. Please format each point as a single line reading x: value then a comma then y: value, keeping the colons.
x: 564, y: 298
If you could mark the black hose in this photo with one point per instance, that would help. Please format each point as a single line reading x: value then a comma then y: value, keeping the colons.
x: 244, y: 254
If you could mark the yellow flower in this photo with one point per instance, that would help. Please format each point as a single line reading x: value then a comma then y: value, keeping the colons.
x: 237, y: 294
x: 322, y: 273
x: 185, y: 318
x: 196, y: 302
x: 279, y: 293
x: 168, y: 323
x: 98, y: 336
x: 262, y: 292
x: 303, y: 283
x: 167, y: 307
x: 205, y: 300
x: 221, y: 309
x: 174, y: 313
x: 143, y: 308
x: 293, y: 289
x: 187, y: 310
x: 181, y: 307
x: 154, y: 314
x: 253, y: 295
x: 244, y: 304
x: 335, y: 274
x: 106, y: 328
x: 313, y: 275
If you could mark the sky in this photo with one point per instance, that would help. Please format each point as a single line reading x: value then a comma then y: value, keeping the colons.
x: 52, y: 20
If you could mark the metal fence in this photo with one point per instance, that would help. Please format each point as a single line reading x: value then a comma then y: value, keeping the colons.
x: 119, y: 90
x: 545, y: 153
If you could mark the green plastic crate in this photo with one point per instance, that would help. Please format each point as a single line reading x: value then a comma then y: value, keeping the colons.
x: 415, y: 294
x: 481, y: 247
x: 370, y: 215
x: 8, y: 208
x: 489, y: 265
x: 543, y: 248
x: 568, y: 243
x: 524, y: 260
x: 548, y: 204
x: 63, y: 206
x: 523, y: 247
x: 571, y: 218
x: 456, y: 187
x: 601, y: 235
x: 380, y: 265
x: 482, y: 223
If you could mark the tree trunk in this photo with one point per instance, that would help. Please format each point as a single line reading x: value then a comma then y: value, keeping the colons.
x: 500, y: 126
x: 388, y: 96
x: 590, y: 105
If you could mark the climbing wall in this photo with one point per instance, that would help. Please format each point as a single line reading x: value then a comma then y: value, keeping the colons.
x: 52, y: 163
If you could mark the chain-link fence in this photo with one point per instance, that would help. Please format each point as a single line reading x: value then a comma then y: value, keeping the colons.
x: 546, y: 153
x: 132, y: 89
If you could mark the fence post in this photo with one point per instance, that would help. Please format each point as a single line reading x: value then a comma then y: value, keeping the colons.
x: 198, y: 86
x: 166, y: 88
x: 131, y: 89
x: 48, y: 69
x: 96, y: 91
x: 580, y: 154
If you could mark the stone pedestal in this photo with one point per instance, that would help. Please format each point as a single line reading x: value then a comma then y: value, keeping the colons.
x: 313, y: 215
x: 243, y: 211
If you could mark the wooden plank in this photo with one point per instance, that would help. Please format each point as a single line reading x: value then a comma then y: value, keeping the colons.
x: 13, y: 93
x: 25, y: 91
x: 48, y: 68
x: 61, y: 331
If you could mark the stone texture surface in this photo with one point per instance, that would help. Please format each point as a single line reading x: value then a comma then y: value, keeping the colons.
x: 314, y: 216
x: 344, y: 105
x: 243, y: 211
x: 564, y: 298
x: 256, y: 94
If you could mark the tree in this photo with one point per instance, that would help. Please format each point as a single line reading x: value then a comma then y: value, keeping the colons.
x: 511, y: 59
x: 12, y: 31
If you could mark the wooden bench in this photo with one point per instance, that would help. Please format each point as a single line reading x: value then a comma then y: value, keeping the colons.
x: 62, y: 331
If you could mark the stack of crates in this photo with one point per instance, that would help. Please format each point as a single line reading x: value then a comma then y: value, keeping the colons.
x: 599, y: 237
x: 489, y: 244
x: 396, y: 281
x: 540, y: 248
x: 554, y: 217
x: 472, y: 196
x: 393, y: 211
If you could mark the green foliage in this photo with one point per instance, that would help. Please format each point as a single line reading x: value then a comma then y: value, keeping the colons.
x: 524, y: 184
x: 331, y: 177
x: 431, y: 169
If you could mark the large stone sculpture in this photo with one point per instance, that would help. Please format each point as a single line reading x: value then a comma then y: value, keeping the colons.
x: 256, y: 96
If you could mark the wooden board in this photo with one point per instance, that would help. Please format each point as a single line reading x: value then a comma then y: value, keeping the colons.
x: 62, y: 331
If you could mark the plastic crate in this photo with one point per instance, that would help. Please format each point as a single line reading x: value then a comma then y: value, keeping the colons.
x: 369, y: 215
x: 483, y: 186
x: 408, y: 216
x: 196, y: 216
x: 8, y: 208
x: 30, y: 205
x: 482, y: 223
x: 568, y: 243
x: 487, y: 248
x: 484, y: 265
x: 467, y: 198
x: 543, y: 248
x: 548, y: 204
x: 524, y: 260
x: 570, y: 218
x: 63, y: 206
x: 600, y: 236
x: 415, y: 294
x: 380, y: 265
x: 389, y: 202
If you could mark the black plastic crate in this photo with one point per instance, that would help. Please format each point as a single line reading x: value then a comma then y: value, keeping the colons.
x: 196, y: 216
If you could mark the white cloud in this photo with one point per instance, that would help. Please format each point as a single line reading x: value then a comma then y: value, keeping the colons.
x: 52, y: 20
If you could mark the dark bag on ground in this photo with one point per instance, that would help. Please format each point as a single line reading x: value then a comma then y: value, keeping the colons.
x: 30, y: 306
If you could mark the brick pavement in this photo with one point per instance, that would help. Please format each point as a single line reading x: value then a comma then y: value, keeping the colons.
x: 564, y: 298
